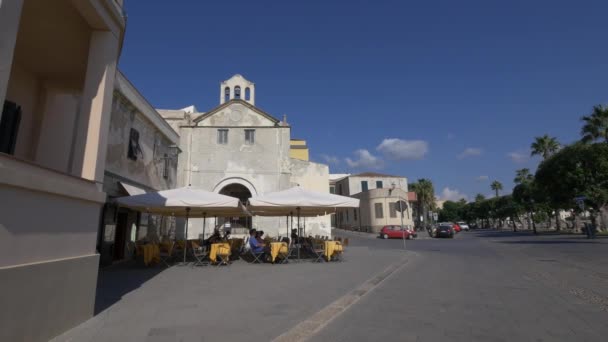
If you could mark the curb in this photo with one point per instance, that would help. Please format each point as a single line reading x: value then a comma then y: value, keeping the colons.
x: 313, y: 324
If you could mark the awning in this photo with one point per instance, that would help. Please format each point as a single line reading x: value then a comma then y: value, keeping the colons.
x: 131, y: 189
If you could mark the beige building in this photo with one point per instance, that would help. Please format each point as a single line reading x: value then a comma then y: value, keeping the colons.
x: 299, y: 150
x: 381, y: 198
x: 238, y: 149
x: 57, y: 68
x: 141, y: 157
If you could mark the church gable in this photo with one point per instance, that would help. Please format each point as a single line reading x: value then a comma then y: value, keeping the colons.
x: 237, y: 113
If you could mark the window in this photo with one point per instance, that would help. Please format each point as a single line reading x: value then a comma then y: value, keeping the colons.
x: 379, y: 210
x: 392, y: 208
x: 247, y: 94
x: 250, y: 136
x: 347, y: 215
x: 134, y: 148
x: 332, y: 189
x: 355, y: 214
x: 363, y: 185
x: 237, y: 92
x: 226, y: 94
x: 222, y: 136
x: 379, y: 184
x: 9, y: 126
x: 166, y: 166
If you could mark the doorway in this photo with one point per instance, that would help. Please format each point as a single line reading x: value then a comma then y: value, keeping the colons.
x: 243, y: 194
x: 120, y: 236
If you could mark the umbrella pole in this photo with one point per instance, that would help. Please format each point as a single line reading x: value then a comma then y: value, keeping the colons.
x: 204, y: 225
x: 186, y: 235
x: 298, y: 209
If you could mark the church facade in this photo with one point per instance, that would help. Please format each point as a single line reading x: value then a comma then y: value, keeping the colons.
x: 237, y: 149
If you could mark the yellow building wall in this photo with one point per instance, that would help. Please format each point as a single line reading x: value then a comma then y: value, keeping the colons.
x: 299, y: 150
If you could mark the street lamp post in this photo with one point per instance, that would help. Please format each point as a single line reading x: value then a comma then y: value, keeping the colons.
x: 400, y: 213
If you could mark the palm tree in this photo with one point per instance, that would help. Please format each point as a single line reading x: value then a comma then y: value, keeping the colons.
x: 425, y: 196
x: 523, y: 176
x: 596, y: 125
x: 496, y: 186
x: 544, y: 146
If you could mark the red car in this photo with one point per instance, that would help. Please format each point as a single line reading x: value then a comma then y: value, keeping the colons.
x: 396, y: 232
x: 456, y: 227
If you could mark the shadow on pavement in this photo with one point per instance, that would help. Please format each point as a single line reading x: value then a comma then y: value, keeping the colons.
x: 501, y: 233
x: 548, y: 242
x: 565, y: 237
x: 115, y: 281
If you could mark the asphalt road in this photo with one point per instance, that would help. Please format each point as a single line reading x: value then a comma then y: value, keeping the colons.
x: 484, y: 286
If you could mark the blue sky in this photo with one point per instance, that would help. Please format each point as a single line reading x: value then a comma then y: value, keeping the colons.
x: 454, y: 91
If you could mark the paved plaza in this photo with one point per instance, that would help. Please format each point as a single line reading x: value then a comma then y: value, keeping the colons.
x: 480, y: 286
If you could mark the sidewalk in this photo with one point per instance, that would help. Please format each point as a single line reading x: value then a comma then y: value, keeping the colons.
x: 241, y: 302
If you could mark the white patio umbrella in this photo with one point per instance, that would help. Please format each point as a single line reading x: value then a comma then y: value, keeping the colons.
x: 185, y: 202
x: 300, y: 201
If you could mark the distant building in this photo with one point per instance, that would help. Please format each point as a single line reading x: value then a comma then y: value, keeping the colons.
x: 57, y: 66
x: 381, y: 198
x: 239, y: 150
x: 298, y: 149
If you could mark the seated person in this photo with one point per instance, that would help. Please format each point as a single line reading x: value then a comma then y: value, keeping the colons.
x: 259, y: 235
x: 214, y: 238
x: 294, y: 235
x: 255, y: 245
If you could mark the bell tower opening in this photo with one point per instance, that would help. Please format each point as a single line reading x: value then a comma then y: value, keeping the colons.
x: 237, y: 87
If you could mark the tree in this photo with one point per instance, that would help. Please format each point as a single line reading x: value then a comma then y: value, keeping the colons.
x: 496, y: 186
x: 479, y: 198
x: 544, y: 146
x: 577, y: 170
x: 523, y: 176
x: 452, y: 211
x: 523, y: 195
x: 595, y: 125
x: 425, y: 195
x: 507, y: 208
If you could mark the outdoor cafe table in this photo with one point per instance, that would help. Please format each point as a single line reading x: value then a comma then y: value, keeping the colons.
x: 151, y: 253
x: 332, y: 247
x: 277, y: 248
x: 222, y: 248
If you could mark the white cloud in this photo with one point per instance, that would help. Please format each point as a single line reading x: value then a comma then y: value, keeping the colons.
x: 365, y: 160
x: 398, y: 149
x: 482, y: 178
x: 330, y: 159
x: 451, y: 195
x: 518, y: 157
x: 470, y: 152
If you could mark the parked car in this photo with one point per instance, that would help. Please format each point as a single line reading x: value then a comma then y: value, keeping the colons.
x: 464, y: 226
x: 456, y: 227
x: 444, y: 229
x: 396, y: 232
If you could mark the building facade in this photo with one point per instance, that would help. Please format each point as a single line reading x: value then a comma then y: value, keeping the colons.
x: 141, y: 157
x: 237, y: 149
x: 298, y: 149
x: 57, y: 67
x: 384, y: 200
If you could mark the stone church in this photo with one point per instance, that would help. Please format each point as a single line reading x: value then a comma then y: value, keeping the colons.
x: 238, y: 149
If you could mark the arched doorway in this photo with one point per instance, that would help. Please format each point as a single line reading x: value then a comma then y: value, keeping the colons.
x: 238, y: 225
